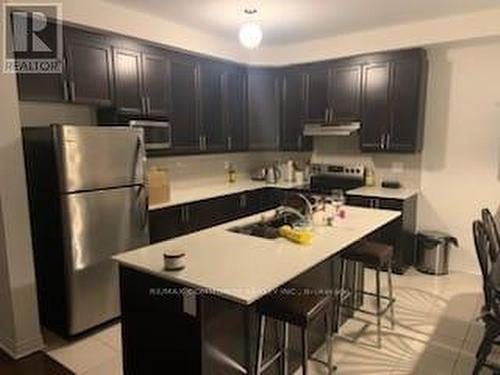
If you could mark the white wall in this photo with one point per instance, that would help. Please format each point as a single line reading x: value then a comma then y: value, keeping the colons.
x: 116, y: 18
x: 19, y: 327
x: 416, y: 34
x: 461, y: 157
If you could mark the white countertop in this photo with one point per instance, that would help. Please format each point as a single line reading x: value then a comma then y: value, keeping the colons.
x: 380, y: 192
x: 244, y: 268
x: 197, y: 191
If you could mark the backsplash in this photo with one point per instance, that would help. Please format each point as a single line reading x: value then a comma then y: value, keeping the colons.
x: 402, y: 167
x: 213, y: 167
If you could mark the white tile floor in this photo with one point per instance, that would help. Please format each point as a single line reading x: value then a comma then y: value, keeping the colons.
x: 435, y: 333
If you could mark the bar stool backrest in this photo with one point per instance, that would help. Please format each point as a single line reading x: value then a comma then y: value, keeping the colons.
x: 492, y: 230
x: 482, y: 243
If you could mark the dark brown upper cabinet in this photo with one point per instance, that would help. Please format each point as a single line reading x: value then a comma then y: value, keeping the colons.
x: 155, y: 78
x: 41, y: 87
x: 345, y: 92
x: 293, y: 112
x: 141, y: 82
x: 333, y: 91
x: 212, y: 131
x: 316, y: 92
x: 89, y: 69
x: 263, y: 95
x: 408, y: 90
x: 184, y: 88
x: 129, y: 97
x: 393, y: 102
x: 376, y: 99
x: 235, y: 124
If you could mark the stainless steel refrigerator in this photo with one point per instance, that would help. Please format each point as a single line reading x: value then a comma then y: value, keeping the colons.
x: 88, y: 201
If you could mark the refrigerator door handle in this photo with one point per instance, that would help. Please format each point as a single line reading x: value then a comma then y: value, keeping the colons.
x: 142, y: 204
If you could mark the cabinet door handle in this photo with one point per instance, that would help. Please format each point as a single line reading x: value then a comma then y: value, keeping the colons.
x: 299, y: 142
x: 331, y: 115
x: 186, y: 209
x: 148, y: 104
x: 388, y: 140
x: 205, y: 142
x: 327, y: 111
x: 66, y: 91
x: 143, y: 105
x: 382, y: 141
x: 200, y: 142
x: 229, y: 143
x: 72, y: 90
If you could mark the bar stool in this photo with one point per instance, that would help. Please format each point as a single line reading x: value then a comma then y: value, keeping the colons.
x: 378, y: 256
x: 300, y: 310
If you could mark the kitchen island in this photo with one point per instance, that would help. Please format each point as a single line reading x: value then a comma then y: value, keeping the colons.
x: 202, y: 319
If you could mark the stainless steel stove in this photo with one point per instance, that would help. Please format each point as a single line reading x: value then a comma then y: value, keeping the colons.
x: 327, y: 177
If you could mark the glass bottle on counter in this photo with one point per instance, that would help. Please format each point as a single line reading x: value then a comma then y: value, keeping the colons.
x: 231, y: 173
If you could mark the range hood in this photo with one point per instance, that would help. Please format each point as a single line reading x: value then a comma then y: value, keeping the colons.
x: 331, y: 129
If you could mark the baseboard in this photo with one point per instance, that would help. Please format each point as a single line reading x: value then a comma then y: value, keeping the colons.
x: 23, y: 348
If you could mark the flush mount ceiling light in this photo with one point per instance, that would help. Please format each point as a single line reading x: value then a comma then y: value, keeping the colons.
x: 250, y: 33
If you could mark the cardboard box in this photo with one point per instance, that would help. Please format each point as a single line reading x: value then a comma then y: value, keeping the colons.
x: 158, y: 185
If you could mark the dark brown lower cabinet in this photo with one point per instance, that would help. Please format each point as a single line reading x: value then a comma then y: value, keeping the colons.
x: 401, y: 233
x: 175, y: 221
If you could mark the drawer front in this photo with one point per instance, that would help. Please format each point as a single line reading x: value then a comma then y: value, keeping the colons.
x: 374, y: 202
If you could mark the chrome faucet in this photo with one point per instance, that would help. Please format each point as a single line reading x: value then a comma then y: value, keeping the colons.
x: 307, y: 217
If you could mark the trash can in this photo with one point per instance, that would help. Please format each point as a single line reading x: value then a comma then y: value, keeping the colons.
x: 433, y: 252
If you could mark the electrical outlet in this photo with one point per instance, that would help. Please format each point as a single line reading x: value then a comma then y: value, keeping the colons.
x: 397, y: 167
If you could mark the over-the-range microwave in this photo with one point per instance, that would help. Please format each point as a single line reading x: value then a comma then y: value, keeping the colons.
x: 157, y: 130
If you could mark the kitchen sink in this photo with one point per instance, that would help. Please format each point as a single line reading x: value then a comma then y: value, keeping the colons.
x: 267, y: 229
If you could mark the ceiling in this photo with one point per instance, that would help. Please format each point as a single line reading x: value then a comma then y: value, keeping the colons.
x: 287, y: 21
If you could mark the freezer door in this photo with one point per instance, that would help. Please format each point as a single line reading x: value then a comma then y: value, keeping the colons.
x: 102, y: 223
x: 97, y: 157
x: 94, y: 296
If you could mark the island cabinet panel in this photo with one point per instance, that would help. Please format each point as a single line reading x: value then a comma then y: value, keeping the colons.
x: 401, y: 233
x: 158, y: 335
x: 89, y: 68
x: 263, y: 95
x: 162, y: 326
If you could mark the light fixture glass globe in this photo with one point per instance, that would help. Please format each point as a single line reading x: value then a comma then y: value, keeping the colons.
x: 250, y: 35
